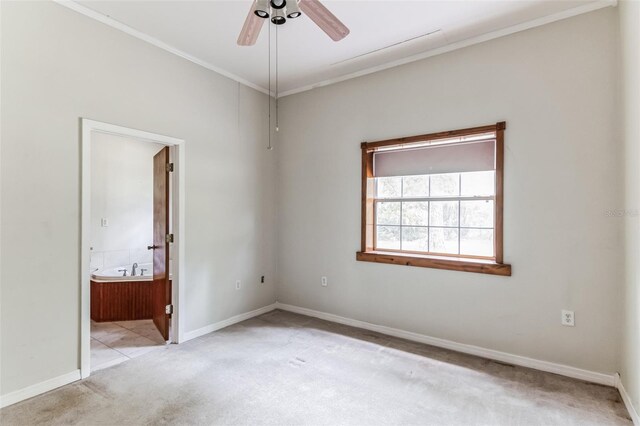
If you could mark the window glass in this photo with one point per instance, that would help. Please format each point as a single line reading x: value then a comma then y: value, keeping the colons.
x: 388, y: 237
x: 415, y: 239
x: 447, y: 185
x: 415, y: 186
x: 443, y: 240
x: 475, y: 184
x: 438, y: 219
x: 388, y: 187
x: 443, y: 213
x: 388, y: 213
x: 415, y: 213
x: 476, y: 214
x: 476, y: 242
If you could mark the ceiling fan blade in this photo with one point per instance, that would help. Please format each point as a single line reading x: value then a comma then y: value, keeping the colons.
x: 250, y: 29
x: 323, y: 18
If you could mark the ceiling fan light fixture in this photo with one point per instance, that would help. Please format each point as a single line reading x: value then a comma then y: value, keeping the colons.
x: 261, y: 8
x: 281, y: 10
x: 293, y: 11
x: 278, y: 17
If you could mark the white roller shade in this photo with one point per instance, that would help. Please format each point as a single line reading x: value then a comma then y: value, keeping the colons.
x: 449, y: 158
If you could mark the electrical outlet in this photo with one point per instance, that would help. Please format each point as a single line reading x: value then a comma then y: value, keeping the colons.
x: 568, y: 318
x: 262, y: 279
x: 104, y: 222
x: 323, y: 281
x: 238, y: 285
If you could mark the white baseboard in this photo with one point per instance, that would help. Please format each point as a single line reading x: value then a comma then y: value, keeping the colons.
x: 564, y: 370
x: 38, y: 388
x: 56, y: 382
x: 627, y: 401
x: 226, y: 323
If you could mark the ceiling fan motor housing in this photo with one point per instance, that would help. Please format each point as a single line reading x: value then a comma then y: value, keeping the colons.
x: 280, y: 10
x: 277, y: 10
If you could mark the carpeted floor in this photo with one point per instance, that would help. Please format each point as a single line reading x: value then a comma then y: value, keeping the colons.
x: 287, y: 369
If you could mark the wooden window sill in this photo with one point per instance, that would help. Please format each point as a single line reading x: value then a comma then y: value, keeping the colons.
x: 437, y: 262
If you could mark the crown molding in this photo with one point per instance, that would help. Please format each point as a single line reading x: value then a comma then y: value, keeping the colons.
x: 569, y: 13
x: 589, y: 7
x: 154, y: 41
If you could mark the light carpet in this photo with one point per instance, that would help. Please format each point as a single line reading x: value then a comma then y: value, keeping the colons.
x: 286, y: 369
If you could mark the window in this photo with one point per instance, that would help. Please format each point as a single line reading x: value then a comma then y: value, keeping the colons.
x: 435, y: 200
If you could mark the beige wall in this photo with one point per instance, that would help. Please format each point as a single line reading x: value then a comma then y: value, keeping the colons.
x: 555, y: 87
x: 630, y: 42
x: 58, y: 66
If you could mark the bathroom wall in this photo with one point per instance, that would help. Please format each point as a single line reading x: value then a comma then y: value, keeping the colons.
x: 121, y: 193
x: 58, y: 66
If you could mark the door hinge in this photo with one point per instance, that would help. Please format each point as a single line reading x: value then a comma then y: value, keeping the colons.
x: 168, y: 238
x: 168, y: 309
x: 169, y: 167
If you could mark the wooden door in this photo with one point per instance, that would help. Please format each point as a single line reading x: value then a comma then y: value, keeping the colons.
x: 161, y: 283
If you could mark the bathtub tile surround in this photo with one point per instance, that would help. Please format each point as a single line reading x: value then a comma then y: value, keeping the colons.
x: 96, y: 261
x: 116, y: 342
x: 111, y: 258
x: 140, y: 255
x: 115, y: 258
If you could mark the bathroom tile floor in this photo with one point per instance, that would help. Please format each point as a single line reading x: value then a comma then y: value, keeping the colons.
x: 116, y: 342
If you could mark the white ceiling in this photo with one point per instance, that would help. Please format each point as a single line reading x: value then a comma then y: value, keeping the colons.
x: 207, y: 31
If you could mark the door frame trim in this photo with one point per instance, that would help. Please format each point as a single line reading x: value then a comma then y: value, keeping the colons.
x: 87, y: 128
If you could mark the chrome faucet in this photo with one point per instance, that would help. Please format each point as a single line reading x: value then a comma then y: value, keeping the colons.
x: 133, y: 269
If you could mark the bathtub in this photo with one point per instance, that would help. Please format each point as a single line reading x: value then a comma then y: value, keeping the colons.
x: 115, y: 297
x: 115, y: 274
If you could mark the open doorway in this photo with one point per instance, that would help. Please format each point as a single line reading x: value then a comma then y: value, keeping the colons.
x: 131, y: 243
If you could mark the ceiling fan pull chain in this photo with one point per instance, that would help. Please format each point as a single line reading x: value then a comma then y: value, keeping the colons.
x: 277, y: 121
x: 269, y: 147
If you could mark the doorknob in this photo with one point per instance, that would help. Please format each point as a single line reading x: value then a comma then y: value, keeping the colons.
x: 152, y: 247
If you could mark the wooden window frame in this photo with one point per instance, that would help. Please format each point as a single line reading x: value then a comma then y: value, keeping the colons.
x: 367, y: 252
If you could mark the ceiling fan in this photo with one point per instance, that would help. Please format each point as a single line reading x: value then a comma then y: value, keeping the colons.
x: 280, y: 10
